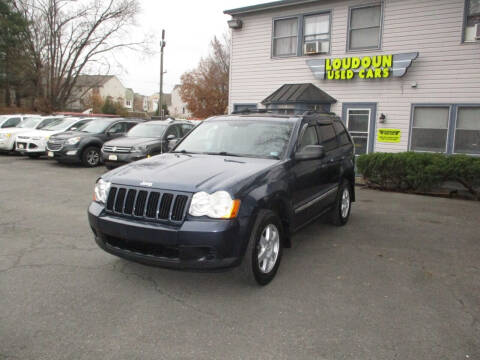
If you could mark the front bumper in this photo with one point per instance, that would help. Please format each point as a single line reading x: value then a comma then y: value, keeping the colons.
x: 7, y: 144
x: 194, y: 245
x: 117, y: 159
x: 30, y: 146
x: 66, y: 153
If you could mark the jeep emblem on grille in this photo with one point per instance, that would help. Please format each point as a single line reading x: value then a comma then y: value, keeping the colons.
x: 144, y: 183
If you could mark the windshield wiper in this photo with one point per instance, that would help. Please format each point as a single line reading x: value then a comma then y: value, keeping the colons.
x: 224, y: 153
x: 183, y: 152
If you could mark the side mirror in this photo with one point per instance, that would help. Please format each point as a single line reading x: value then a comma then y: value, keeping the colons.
x: 170, y: 137
x: 310, y: 152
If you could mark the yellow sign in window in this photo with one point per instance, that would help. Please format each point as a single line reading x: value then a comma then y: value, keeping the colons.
x: 389, y: 135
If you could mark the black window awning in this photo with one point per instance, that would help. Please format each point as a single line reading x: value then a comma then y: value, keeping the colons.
x: 299, y: 94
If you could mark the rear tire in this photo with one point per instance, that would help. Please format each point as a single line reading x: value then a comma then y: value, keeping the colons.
x: 91, y: 156
x: 264, y: 251
x: 343, y: 205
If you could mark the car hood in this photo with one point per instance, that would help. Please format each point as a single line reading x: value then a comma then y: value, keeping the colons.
x: 69, y: 134
x: 14, y: 130
x: 39, y: 133
x: 191, y: 173
x: 133, y: 141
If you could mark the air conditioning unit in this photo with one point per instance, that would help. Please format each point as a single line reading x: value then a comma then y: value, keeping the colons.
x: 316, y: 47
x: 477, y: 31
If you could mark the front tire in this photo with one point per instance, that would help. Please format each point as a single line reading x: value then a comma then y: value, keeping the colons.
x: 343, y: 205
x: 91, y: 156
x: 264, y: 251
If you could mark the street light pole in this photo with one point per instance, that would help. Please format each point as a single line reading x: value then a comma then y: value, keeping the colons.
x: 160, y: 94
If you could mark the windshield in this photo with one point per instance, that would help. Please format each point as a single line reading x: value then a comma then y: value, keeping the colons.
x: 29, y: 123
x: 147, y: 130
x: 251, y: 138
x: 60, y: 124
x: 95, y: 126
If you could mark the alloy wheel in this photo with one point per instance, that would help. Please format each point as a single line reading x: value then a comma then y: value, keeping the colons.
x: 268, y: 248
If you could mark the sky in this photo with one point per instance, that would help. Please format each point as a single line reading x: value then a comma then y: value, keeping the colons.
x: 189, y: 26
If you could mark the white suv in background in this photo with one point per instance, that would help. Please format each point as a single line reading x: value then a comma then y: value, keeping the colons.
x: 33, y: 143
x: 11, y: 121
x: 9, y: 135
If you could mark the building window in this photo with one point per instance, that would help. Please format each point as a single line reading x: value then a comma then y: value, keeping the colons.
x: 472, y: 17
x: 128, y: 103
x: 285, y: 37
x: 244, y: 107
x: 316, y: 34
x: 430, y: 129
x: 365, y: 27
x: 467, y: 131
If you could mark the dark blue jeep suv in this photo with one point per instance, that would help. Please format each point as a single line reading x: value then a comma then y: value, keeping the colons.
x: 230, y: 193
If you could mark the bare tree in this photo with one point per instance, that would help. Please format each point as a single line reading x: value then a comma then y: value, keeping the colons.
x: 68, y: 38
x: 205, y: 89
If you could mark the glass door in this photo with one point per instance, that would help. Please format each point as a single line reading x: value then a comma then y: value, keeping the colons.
x: 359, y: 118
x: 358, y: 125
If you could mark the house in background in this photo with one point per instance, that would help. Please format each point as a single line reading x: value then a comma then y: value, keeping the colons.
x: 140, y: 103
x: 153, y: 101
x: 178, y: 108
x: 106, y: 86
x: 129, y: 97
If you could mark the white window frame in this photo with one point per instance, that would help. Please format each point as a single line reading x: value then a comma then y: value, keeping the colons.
x: 347, y: 120
x: 454, y: 124
x: 349, y: 28
x: 449, y: 107
x: 299, y: 23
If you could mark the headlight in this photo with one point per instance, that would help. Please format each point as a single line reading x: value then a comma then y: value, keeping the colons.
x: 73, y: 141
x: 101, y: 191
x: 139, y: 149
x: 218, y: 205
x: 5, y: 136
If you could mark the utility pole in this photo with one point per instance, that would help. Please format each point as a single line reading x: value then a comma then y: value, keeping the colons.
x: 160, y: 94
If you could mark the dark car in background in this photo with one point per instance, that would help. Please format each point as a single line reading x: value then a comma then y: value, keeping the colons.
x: 144, y: 140
x: 84, y: 145
x: 230, y: 193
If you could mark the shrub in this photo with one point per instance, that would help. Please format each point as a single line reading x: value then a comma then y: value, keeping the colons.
x: 410, y: 171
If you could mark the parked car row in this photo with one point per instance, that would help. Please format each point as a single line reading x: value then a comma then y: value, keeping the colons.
x: 89, y: 141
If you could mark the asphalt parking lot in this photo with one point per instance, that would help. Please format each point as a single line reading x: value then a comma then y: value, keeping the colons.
x: 400, y: 281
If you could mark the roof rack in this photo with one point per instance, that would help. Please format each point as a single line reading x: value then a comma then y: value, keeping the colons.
x: 250, y: 111
x: 316, y: 112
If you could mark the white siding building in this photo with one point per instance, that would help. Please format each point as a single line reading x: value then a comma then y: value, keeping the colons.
x: 418, y: 70
x: 178, y: 108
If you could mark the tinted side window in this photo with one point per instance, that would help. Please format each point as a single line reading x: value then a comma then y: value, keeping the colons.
x: 173, y: 130
x: 309, y: 137
x: 118, y: 128
x: 342, y: 135
x: 186, y: 129
x: 11, y: 123
x: 46, y: 122
x: 327, y: 137
x: 78, y: 124
x: 131, y: 125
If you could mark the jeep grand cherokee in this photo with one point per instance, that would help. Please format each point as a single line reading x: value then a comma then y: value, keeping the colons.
x: 230, y: 193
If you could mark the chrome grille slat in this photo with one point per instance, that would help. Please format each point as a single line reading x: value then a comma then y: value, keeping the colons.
x: 117, y: 149
x: 151, y: 205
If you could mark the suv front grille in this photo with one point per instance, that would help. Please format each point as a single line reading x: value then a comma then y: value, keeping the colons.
x: 117, y: 149
x: 153, y: 205
x: 55, y: 145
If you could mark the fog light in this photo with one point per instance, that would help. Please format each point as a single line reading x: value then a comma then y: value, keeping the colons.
x: 72, y: 152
